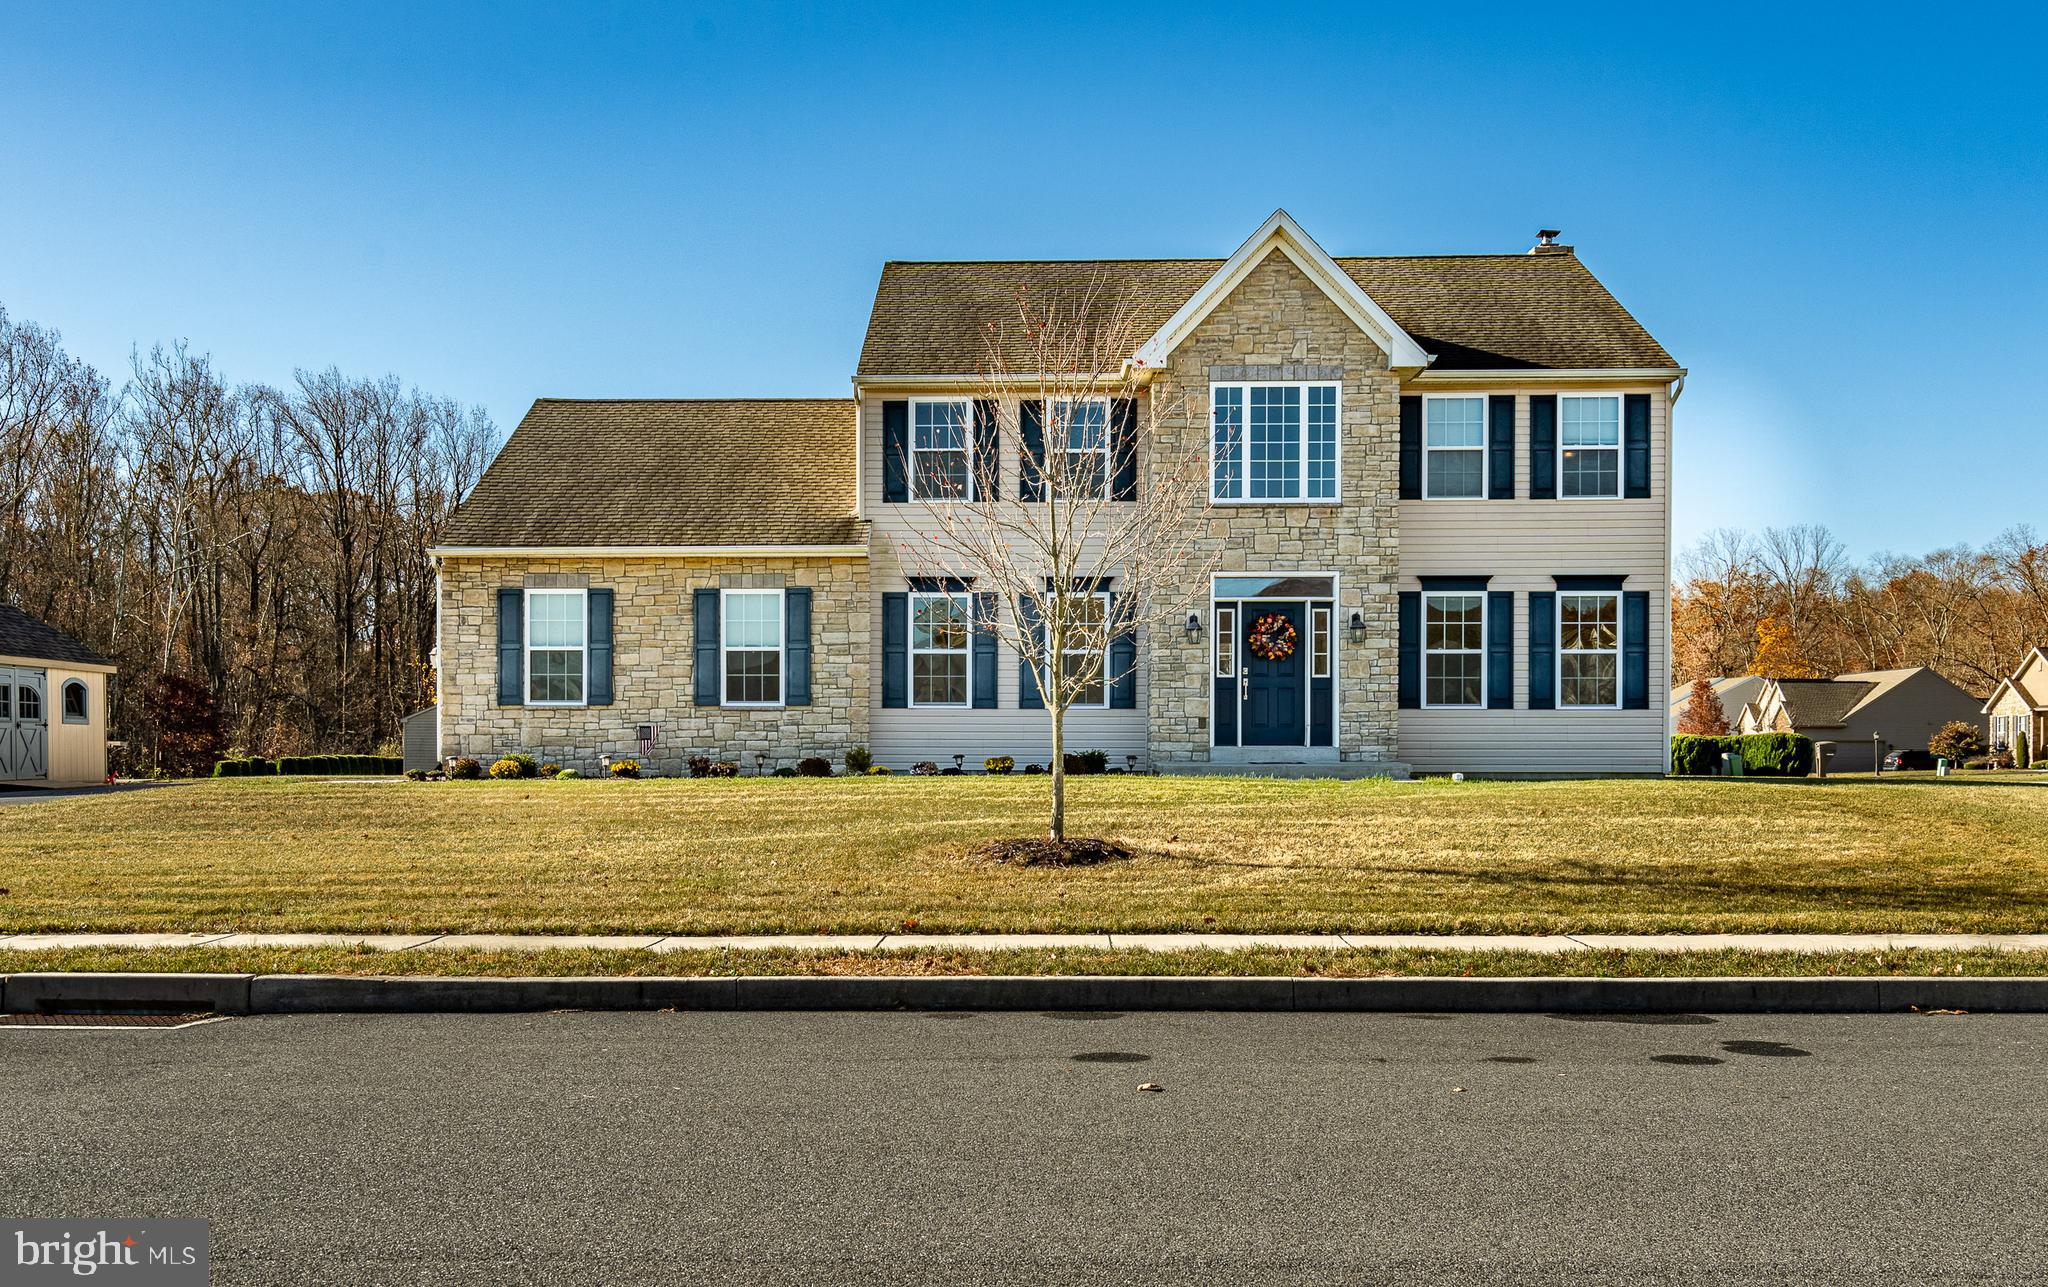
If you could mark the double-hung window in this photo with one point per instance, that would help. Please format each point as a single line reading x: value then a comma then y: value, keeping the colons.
x: 557, y: 655
x: 941, y: 433
x: 1589, y: 650
x: 1080, y: 427
x: 1453, y: 447
x: 1454, y: 649
x: 940, y: 630
x: 1589, y: 446
x: 751, y: 621
x: 1273, y: 442
x: 1084, y: 659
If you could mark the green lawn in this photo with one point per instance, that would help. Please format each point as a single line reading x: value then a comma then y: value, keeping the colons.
x: 882, y: 854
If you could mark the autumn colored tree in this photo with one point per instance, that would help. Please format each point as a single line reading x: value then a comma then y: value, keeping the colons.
x: 1958, y: 741
x: 1703, y: 715
x: 1777, y: 653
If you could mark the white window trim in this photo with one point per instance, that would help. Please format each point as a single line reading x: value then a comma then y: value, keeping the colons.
x: 967, y: 443
x: 1619, y: 449
x: 1485, y: 438
x: 1244, y: 444
x: 1216, y: 611
x: 1104, y: 703
x: 1053, y: 425
x: 63, y: 690
x: 1479, y: 705
x: 1557, y: 680
x: 781, y: 648
x: 1328, y: 658
x: 913, y: 651
x: 526, y: 653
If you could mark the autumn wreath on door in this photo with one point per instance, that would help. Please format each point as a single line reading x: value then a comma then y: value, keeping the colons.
x: 1272, y: 638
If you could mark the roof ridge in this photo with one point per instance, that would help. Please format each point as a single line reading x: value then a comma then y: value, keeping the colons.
x: 1517, y: 255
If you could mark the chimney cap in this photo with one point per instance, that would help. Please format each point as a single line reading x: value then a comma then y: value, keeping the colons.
x: 1548, y: 236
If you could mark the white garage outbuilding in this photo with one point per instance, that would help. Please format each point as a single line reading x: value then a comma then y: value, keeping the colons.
x: 53, y: 705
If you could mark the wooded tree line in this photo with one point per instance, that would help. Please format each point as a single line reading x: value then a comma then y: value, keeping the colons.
x: 1788, y: 603
x: 253, y: 558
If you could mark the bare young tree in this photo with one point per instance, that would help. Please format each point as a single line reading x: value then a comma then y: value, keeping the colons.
x: 1094, y: 541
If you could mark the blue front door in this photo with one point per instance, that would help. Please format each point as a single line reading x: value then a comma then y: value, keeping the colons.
x: 1275, y: 692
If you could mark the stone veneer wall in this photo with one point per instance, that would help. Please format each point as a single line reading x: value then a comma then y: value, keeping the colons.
x: 1277, y: 325
x: 652, y: 664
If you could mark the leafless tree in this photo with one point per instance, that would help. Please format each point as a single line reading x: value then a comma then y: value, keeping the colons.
x: 1097, y: 539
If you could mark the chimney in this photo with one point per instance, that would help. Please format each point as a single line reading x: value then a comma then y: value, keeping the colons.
x: 1546, y: 243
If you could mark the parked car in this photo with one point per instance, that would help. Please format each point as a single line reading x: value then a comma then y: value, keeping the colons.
x: 1908, y: 760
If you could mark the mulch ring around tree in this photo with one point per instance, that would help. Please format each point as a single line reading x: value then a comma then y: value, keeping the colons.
x: 1038, y: 852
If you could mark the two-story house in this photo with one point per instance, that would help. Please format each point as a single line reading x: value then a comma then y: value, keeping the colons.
x: 1450, y: 475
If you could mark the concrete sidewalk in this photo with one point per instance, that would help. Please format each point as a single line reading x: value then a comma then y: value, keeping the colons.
x: 1547, y: 943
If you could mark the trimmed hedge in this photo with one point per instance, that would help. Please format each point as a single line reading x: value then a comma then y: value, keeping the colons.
x: 1764, y: 755
x: 311, y: 766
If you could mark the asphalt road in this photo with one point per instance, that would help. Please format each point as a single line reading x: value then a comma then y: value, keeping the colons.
x: 982, y: 1148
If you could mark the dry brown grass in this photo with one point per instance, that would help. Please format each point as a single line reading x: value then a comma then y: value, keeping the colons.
x: 881, y: 854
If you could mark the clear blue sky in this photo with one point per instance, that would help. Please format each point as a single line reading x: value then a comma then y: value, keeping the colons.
x: 1838, y: 222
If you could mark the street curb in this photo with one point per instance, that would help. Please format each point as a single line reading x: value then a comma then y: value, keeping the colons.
x: 327, y: 994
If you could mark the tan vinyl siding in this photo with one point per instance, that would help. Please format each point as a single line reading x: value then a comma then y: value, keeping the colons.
x: 902, y: 736
x: 1523, y: 544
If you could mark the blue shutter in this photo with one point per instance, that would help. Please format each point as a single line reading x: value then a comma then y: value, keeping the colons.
x: 985, y: 651
x: 1500, y: 650
x: 896, y: 451
x: 1542, y: 650
x: 1123, y: 449
x: 987, y: 470
x: 1028, y: 696
x: 1635, y: 437
x: 511, y: 656
x: 1411, y: 448
x: 896, y: 649
x: 796, y: 646
x: 706, y: 664
x: 1408, y: 681
x: 1500, y: 415
x: 1635, y: 650
x: 1031, y: 465
x: 1543, y: 446
x: 1123, y: 666
x: 600, y: 661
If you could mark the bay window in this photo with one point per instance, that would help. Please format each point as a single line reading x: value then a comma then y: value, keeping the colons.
x: 751, y: 622
x: 1273, y: 442
x: 557, y: 647
x: 1589, y: 650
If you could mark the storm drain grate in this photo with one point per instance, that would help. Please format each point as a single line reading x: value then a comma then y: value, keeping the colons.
x: 103, y: 1020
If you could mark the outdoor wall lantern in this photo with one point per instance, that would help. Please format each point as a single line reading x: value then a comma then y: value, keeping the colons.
x: 1358, y: 627
x: 1194, y: 627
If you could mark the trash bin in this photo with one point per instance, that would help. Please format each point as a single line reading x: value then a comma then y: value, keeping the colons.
x: 1941, y: 766
x: 1731, y: 763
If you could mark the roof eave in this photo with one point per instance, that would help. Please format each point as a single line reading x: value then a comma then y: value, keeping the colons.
x: 648, y: 551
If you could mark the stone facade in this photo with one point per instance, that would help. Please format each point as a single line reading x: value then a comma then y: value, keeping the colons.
x: 653, y: 664
x: 1278, y: 325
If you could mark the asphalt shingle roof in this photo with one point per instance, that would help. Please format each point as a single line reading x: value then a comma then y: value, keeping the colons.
x: 714, y: 471
x: 1823, y: 703
x: 24, y: 636
x: 1473, y: 312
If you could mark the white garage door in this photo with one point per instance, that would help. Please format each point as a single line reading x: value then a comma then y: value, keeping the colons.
x: 24, y: 725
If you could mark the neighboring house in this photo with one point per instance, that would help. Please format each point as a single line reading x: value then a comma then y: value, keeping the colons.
x: 1905, y: 708
x: 2020, y: 704
x: 1455, y: 483
x: 1733, y: 692
x: 53, y: 704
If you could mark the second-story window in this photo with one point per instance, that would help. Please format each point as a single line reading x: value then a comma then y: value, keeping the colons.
x: 1454, y: 447
x: 940, y: 434
x: 1081, y: 427
x: 1273, y: 442
x: 1589, y: 446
